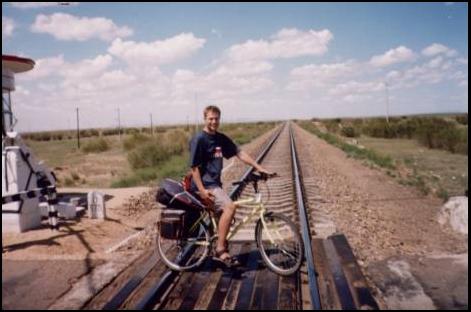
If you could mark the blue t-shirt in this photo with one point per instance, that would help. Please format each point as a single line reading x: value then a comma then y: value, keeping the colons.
x: 206, y: 153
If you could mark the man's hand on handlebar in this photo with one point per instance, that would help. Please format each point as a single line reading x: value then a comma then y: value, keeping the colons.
x: 265, y: 175
x: 257, y: 176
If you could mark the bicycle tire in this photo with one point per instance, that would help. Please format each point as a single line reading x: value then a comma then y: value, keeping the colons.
x: 293, y: 251
x: 172, y: 253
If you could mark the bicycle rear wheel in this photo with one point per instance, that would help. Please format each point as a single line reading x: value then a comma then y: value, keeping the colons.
x: 279, y: 243
x: 186, y: 253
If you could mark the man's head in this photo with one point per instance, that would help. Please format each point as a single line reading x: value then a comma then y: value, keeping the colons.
x: 212, y: 115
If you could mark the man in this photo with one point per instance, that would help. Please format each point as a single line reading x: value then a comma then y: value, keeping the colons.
x: 207, y: 148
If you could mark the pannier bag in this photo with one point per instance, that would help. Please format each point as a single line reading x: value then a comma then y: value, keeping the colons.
x: 179, y: 224
x: 172, y: 195
x: 181, y: 211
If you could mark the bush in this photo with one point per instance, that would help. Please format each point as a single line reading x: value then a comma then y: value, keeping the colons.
x: 379, y: 128
x: 148, y: 155
x: 332, y: 125
x: 135, y: 140
x: 349, y: 132
x: 96, y: 146
x: 441, y: 134
x: 462, y: 119
x: 152, y: 151
x: 131, y: 131
x: 107, y: 132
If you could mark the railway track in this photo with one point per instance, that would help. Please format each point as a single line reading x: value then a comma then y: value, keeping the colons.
x: 330, y: 278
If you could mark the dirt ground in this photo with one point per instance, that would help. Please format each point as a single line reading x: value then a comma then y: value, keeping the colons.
x: 386, y: 222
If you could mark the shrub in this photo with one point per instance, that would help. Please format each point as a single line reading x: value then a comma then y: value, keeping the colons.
x: 462, y: 119
x: 332, y: 125
x: 349, y: 132
x: 96, y: 146
x: 135, y: 140
x: 107, y: 132
x: 131, y: 131
x: 442, y: 134
x: 149, y: 154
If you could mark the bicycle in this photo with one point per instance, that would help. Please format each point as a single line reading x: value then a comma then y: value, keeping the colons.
x: 277, y: 237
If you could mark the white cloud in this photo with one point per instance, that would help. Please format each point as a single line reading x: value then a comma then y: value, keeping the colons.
x: 157, y: 52
x: 35, y: 5
x: 287, y: 43
x: 354, y: 88
x: 436, y: 62
x: 313, y: 75
x: 242, y: 68
x: 8, y: 25
x: 435, y: 71
x: 71, y: 73
x: 437, y: 48
x: 398, y: 55
x: 68, y: 27
x: 44, y: 68
x: 88, y: 67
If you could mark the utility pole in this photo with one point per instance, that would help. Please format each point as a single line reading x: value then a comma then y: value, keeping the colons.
x: 386, y: 86
x: 119, y: 124
x: 196, y: 114
x: 78, y: 128
x: 151, y: 128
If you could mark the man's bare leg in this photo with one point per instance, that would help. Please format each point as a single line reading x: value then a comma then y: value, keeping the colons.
x: 224, y: 227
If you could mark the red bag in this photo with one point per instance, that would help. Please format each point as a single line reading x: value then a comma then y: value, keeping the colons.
x: 186, y: 181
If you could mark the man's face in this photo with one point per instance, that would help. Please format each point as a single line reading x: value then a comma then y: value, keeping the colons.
x: 212, y: 121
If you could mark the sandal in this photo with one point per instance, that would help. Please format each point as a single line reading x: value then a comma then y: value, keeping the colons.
x: 229, y: 262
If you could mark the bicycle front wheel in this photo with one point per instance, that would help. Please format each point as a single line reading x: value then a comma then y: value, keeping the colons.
x: 279, y: 243
x: 186, y: 253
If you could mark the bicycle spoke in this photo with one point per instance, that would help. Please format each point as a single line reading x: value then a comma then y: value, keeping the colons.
x: 280, y: 244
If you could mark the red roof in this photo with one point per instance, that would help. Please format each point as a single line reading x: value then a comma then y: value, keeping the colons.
x: 17, y: 64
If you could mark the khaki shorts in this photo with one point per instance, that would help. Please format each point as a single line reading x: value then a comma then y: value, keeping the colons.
x: 221, y: 199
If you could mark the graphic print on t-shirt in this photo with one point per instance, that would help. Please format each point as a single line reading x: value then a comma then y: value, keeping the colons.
x: 217, y: 152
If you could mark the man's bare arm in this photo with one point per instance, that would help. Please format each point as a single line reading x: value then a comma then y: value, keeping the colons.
x: 204, y: 193
x: 195, y: 172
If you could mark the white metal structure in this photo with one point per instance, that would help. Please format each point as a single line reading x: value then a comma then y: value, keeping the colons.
x: 20, y: 170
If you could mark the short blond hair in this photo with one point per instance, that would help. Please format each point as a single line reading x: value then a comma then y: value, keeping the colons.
x: 212, y: 108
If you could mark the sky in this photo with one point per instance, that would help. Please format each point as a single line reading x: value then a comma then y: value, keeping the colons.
x: 256, y: 61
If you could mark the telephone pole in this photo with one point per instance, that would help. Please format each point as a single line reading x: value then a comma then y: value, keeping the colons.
x: 119, y: 124
x: 151, y: 127
x: 78, y: 128
x: 386, y: 86
x: 196, y: 113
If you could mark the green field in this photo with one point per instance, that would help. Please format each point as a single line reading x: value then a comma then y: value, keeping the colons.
x: 442, y: 172
x: 135, y: 159
x: 435, y: 171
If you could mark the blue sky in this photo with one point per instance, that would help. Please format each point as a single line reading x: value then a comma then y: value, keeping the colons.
x: 256, y: 61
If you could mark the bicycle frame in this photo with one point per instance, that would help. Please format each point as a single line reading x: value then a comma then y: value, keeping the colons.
x: 258, y: 209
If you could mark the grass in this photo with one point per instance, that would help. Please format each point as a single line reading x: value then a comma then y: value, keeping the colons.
x: 173, y: 167
x: 431, y: 170
x: 370, y: 155
x: 434, y: 171
x: 74, y: 167
x: 136, y: 159
x: 96, y: 146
